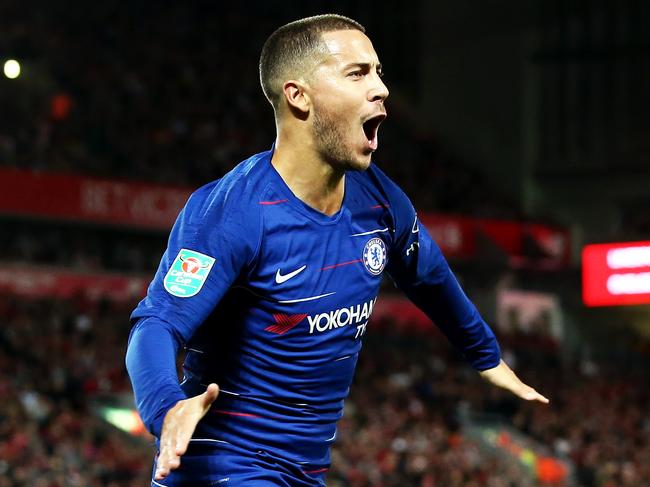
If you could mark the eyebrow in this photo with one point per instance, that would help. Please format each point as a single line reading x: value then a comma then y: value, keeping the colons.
x: 365, y: 66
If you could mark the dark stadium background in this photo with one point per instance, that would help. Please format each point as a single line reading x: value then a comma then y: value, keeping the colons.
x: 521, y: 130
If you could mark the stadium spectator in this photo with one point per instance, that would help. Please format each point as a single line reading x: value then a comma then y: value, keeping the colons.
x: 180, y: 115
x: 409, y: 392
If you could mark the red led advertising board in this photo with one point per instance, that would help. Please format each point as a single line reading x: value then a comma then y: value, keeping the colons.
x: 616, y: 274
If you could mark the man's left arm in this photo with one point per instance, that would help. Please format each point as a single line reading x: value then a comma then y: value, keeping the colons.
x: 418, y: 267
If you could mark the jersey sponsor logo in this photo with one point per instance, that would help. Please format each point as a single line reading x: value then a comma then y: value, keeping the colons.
x: 187, y: 273
x: 357, y: 315
x: 279, y: 278
x: 284, y: 323
x: 374, y: 256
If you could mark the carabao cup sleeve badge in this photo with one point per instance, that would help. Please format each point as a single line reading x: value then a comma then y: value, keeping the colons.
x: 187, y: 273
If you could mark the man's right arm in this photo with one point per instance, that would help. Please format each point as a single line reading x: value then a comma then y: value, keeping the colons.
x: 214, y: 240
x: 164, y: 408
x: 151, y: 364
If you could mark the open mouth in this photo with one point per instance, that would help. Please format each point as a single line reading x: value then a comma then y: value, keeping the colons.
x: 370, y: 128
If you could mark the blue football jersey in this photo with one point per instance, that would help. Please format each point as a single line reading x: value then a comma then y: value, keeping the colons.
x: 271, y: 300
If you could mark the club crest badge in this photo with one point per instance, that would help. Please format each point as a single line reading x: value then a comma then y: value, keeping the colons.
x: 187, y: 273
x: 374, y: 256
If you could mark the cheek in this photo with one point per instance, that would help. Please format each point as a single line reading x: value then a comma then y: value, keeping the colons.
x: 330, y: 107
x: 337, y: 98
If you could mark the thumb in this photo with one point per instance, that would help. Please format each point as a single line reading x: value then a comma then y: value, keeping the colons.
x: 209, y: 396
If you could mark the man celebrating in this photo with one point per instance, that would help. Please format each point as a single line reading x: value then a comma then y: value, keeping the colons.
x: 271, y: 275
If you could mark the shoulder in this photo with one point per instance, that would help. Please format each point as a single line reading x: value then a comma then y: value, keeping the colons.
x: 233, y: 196
x: 377, y: 184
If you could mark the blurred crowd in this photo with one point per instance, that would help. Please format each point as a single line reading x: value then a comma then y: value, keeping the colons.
x: 401, y: 425
x: 172, y: 95
x: 405, y: 402
x: 55, y: 356
x: 80, y: 248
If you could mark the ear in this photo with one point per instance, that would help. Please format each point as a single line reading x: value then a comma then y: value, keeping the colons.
x: 297, y: 97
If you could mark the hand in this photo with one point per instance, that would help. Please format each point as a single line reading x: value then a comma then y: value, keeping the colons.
x: 503, y: 376
x: 178, y: 427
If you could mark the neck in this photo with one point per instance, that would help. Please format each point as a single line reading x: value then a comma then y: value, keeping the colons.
x: 311, y: 179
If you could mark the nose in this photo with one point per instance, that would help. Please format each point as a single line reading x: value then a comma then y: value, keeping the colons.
x: 379, y: 90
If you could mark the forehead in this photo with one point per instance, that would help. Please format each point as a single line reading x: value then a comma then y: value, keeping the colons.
x: 348, y: 46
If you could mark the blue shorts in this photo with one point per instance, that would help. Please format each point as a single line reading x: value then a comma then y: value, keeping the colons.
x: 224, y: 465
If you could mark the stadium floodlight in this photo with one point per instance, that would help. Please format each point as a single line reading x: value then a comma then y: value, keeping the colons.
x: 11, y: 69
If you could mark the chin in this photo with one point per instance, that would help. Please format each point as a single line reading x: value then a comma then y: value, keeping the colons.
x: 363, y: 165
x: 364, y: 162
x: 357, y: 165
x: 343, y: 164
x: 360, y: 162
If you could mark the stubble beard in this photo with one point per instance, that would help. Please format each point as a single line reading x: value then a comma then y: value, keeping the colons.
x: 332, y: 143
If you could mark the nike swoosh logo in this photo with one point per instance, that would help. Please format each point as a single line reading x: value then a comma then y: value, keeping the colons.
x: 279, y: 278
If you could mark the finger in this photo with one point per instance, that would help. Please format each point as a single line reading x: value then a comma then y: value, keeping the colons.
x: 193, y: 410
x: 163, y: 458
x: 168, y: 458
x: 541, y: 398
x: 533, y: 395
x: 167, y: 461
x: 161, y: 470
x: 183, y: 439
x: 209, y: 396
x: 165, y: 466
x: 174, y: 463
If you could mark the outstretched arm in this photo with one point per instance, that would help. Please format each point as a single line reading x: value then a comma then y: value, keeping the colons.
x: 504, y: 377
x: 421, y: 271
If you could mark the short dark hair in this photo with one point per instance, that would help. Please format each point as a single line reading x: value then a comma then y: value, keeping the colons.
x: 287, y: 50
